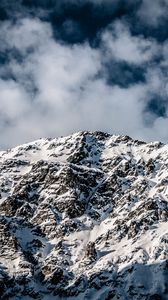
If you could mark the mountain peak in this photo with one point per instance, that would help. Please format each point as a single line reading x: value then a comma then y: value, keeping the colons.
x: 84, y: 217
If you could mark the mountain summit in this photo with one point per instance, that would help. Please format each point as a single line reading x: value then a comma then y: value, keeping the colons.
x: 84, y: 217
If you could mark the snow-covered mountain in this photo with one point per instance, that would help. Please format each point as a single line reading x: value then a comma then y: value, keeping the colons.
x: 84, y: 217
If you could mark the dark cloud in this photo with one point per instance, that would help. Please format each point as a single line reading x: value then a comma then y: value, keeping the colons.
x: 79, y: 20
x: 157, y: 106
x: 3, y: 58
x: 123, y: 74
x: 3, y: 14
x: 159, y: 32
x: 89, y: 17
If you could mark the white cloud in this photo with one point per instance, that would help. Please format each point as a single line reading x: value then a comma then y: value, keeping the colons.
x: 13, y: 100
x: 152, y: 12
x: 23, y: 35
x: 121, y: 45
x: 70, y: 96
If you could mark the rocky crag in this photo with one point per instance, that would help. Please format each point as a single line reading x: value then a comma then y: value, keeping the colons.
x: 84, y: 217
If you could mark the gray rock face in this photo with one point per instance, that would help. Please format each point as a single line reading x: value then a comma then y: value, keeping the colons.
x: 84, y: 217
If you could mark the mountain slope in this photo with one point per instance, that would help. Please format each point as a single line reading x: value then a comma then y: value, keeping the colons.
x: 84, y: 217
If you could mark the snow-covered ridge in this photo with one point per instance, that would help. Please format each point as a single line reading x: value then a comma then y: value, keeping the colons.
x: 84, y: 217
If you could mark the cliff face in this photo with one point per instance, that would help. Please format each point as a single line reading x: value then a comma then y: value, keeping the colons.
x: 84, y: 217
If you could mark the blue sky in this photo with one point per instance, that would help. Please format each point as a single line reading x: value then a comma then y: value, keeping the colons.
x: 73, y: 65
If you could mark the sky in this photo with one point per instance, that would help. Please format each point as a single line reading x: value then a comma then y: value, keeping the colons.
x: 72, y: 65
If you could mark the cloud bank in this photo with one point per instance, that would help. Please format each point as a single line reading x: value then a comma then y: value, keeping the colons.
x: 55, y: 78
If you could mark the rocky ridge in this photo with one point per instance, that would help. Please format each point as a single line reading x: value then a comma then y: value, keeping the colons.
x: 84, y: 217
